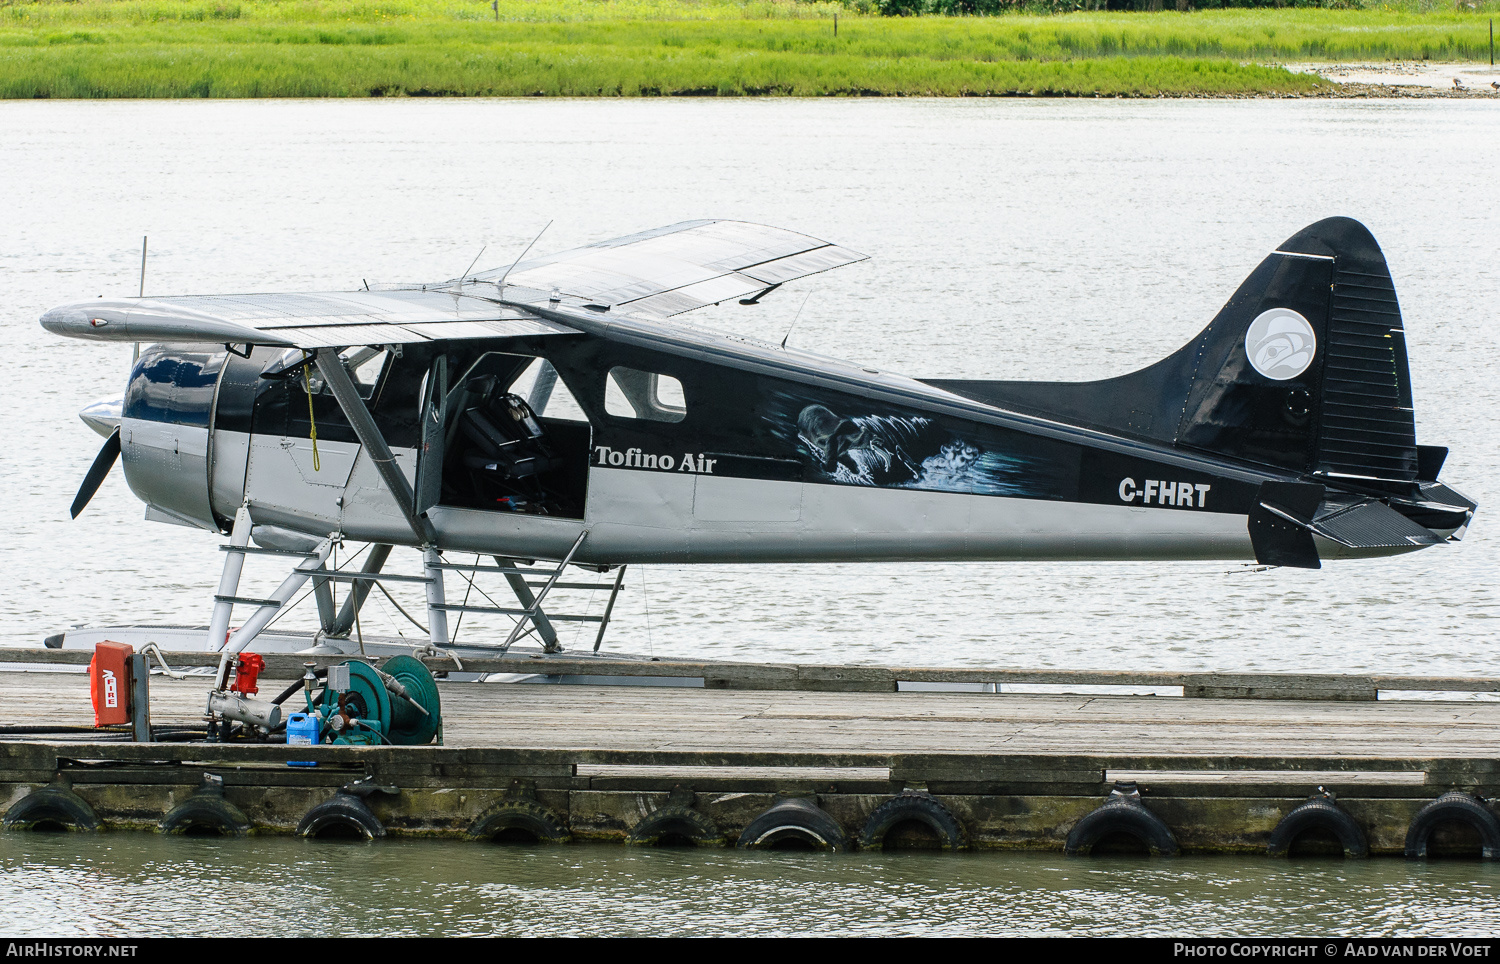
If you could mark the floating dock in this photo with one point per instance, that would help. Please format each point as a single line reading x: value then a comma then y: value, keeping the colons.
x: 826, y: 757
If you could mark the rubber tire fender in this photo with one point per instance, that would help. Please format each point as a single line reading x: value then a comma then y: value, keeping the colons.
x: 1459, y: 807
x: 54, y: 803
x: 1121, y: 815
x: 915, y: 805
x: 206, y: 808
x: 341, y: 810
x: 676, y: 820
x: 794, y: 818
x: 525, y: 815
x: 1318, y: 813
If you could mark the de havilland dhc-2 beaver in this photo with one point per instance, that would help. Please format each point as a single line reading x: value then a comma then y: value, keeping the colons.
x: 556, y: 411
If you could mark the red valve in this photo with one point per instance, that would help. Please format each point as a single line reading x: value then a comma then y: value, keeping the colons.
x: 246, y: 668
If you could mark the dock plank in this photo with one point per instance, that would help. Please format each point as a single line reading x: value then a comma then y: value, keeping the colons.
x: 616, y: 718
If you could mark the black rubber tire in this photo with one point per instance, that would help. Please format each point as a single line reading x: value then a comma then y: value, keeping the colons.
x: 341, y: 812
x: 206, y: 809
x: 794, y: 819
x: 684, y: 822
x: 1121, y: 816
x: 523, y: 815
x: 52, y: 805
x: 914, y: 805
x: 1318, y: 814
x: 1457, y: 807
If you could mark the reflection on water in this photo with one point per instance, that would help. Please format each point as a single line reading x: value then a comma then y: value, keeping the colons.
x: 141, y: 885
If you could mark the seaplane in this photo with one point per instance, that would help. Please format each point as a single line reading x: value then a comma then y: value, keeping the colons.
x: 560, y: 412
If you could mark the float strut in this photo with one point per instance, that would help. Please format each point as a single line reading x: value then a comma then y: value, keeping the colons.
x: 234, y: 564
x: 437, y: 616
x: 523, y: 593
x: 358, y: 590
x: 258, y: 620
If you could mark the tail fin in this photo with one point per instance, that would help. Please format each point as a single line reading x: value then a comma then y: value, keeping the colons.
x: 1304, y: 369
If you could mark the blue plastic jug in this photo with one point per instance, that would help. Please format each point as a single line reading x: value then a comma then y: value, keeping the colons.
x: 302, y: 730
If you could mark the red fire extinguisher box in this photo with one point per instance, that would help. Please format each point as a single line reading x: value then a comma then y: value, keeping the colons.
x: 109, y: 683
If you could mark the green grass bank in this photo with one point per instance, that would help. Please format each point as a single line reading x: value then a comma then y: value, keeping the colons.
x: 357, y: 48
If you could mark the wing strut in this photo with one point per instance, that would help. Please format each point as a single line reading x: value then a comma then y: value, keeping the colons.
x: 337, y: 378
x: 344, y: 392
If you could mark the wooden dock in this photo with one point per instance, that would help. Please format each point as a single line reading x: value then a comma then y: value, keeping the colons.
x: 1219, y: 768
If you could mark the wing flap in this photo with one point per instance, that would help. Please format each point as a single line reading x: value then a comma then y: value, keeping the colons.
x: 677, y: 268
x: 782, y: 270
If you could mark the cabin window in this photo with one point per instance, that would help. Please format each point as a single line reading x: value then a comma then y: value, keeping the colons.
x: 547, y: 395
x: 630, y: 393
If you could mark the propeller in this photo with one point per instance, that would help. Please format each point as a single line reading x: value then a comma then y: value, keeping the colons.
x: 103, y: 462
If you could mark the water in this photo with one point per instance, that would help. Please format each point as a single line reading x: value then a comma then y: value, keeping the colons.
x: 1010, y: 239
x: 139, y: 885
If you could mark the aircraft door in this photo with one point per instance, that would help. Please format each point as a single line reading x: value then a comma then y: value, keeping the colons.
x: 302, y: 449
x: 429, y: 487
x: 515, y: 441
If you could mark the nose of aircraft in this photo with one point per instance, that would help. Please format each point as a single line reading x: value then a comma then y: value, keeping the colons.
x: 103, y: 415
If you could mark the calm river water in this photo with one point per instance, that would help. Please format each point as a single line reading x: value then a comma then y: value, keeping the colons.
x: 1010, y: 239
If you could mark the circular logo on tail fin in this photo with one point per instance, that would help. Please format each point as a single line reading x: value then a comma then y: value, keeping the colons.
x: 1280, y: 344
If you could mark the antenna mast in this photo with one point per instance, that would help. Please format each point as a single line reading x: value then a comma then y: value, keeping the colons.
x: 500, y: 285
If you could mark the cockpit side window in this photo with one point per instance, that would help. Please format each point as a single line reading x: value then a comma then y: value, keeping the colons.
x: 366, y: 364
x: 632, y: 393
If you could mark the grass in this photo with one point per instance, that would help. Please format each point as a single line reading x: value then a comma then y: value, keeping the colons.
x: 345, y: 48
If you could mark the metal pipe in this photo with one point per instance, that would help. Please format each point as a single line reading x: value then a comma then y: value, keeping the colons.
x: 527, y: 599
x: 437, y: 617
x: 374, y: 562
x: 231, y: 706
x: 161, y: 660
x: 537, y: 605
x: 323, y: 593
x: 258, y: 620
x: 229, y: 581
x: 336, y: 377
x: 541, y: 389
x: 609, y: 607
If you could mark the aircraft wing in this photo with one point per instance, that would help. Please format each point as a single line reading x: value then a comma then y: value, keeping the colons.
x: 315, y: 320
x: 665, y: 271
x: 678, y: 268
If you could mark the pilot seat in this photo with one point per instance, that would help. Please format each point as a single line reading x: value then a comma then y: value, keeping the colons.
x: 508, y: 457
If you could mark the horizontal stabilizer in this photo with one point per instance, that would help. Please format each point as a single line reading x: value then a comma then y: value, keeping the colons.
x: 1281, y: 524
x: 1288, y: 515
x: 1373, y: 525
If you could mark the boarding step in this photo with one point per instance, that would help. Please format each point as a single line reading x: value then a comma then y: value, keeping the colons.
x: 506, y: 611
x: 338, y: 575
x: 248, y: 601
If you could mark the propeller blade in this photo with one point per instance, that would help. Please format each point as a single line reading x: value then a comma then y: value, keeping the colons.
x: 103, y: 462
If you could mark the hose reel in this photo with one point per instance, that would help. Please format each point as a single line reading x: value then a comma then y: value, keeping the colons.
x: 360, y: 705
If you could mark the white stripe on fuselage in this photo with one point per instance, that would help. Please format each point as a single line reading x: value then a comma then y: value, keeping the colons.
x: 705, y: 518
